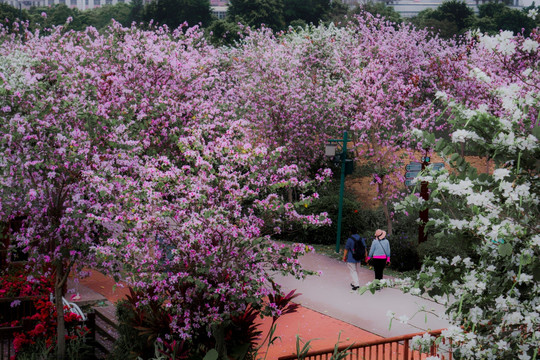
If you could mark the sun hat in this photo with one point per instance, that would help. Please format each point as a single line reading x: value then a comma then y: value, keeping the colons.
x: 380, y: 234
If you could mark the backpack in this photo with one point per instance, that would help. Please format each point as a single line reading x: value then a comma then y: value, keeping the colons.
x: 359, y: 250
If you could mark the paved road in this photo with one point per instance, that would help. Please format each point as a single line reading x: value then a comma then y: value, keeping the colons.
x: 331, y: 294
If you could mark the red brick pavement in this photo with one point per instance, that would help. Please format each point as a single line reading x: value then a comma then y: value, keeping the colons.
x: 321, y: 329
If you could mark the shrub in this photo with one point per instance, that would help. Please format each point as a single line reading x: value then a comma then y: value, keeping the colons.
x: 404, y: 253
x: 133, y: 342
x: 447, y: 248
x: 354, y: 217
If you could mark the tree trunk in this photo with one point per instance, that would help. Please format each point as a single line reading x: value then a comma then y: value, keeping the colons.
x: 388, y: 218
x: 61, y: 326
x: 384, y: 202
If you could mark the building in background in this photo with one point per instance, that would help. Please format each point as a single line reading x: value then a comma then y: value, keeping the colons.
x: 219, y: 7
x: 79, y: 4
x: 409, y: 8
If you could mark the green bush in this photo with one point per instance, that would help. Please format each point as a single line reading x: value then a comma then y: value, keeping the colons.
x: 130, y: 344
x: 404, y: 253
x: 447, y: 248
x: 354, y: 217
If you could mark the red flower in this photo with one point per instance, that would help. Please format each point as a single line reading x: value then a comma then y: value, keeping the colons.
x: 39, y: 329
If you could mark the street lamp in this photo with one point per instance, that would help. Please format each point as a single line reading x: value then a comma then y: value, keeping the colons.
x: 330, y: 149
x: 346, y: 168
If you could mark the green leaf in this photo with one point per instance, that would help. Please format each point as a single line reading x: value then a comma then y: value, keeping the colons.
x: 536, y: 272
x: 362, y: 290
x: 505, y: 250
x: 447, y: 150
x: 525, y: 260
x: 211, y: 355
x: 440, y: 146
x: 483, y: 177
x: 439, y: 235
x: 536, y: 132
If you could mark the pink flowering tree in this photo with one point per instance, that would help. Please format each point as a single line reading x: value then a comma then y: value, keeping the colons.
x: 122, y: 154
x: 284, y: 87
x: 302, y: 87
x: 389, y: 95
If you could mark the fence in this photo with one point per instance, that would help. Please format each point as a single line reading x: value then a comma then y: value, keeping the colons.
x: 395, y: 348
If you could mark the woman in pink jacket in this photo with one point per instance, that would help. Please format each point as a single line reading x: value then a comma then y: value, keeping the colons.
x: 380, y: 253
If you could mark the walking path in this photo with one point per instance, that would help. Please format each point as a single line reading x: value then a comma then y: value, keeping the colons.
x: 329, y: 308
x: 331, y: 294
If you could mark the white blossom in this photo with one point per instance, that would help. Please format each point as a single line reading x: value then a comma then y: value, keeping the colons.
x: 453, y: 332
x: 463, y: 187
x: 513, y: 318
x: 475, y: 314
x: 404, y: 319
x: 480, y: 75
x: 441, y: 260
x: 500, y: 174
x: 482, y: 199
x: 524, y: 278
x: 416, y: 132
x: 455, y: 260
x: 458, y: 224
x: 529, y: 45
x: 526, y: 72
x: 468, y: 262
x: 463, y: 135
x: 535, y: 240
x: 441, y: 95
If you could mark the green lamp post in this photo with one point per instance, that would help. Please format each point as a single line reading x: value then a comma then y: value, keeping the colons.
x: 346, y: 168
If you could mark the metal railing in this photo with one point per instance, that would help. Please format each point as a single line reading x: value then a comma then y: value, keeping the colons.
x: 394, y: 348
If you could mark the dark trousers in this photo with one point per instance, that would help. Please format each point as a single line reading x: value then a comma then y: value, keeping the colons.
x: 378, y: 266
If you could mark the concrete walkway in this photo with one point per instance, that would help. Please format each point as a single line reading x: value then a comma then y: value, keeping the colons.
x: 331, y: 294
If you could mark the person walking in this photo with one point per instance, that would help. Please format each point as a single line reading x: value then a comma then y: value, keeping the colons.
x: 379, y: 252
x: 355, y: 252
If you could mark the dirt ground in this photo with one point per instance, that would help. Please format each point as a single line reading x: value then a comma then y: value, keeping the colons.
x: 366, y: 193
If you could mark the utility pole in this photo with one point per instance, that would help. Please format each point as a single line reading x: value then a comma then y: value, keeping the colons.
x: 346, y: 168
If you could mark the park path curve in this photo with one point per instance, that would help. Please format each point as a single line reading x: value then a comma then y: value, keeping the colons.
x: 330, y: 294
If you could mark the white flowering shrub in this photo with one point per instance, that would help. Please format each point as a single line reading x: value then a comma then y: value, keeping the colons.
x: 492, y: 297
x: 15, y: 74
